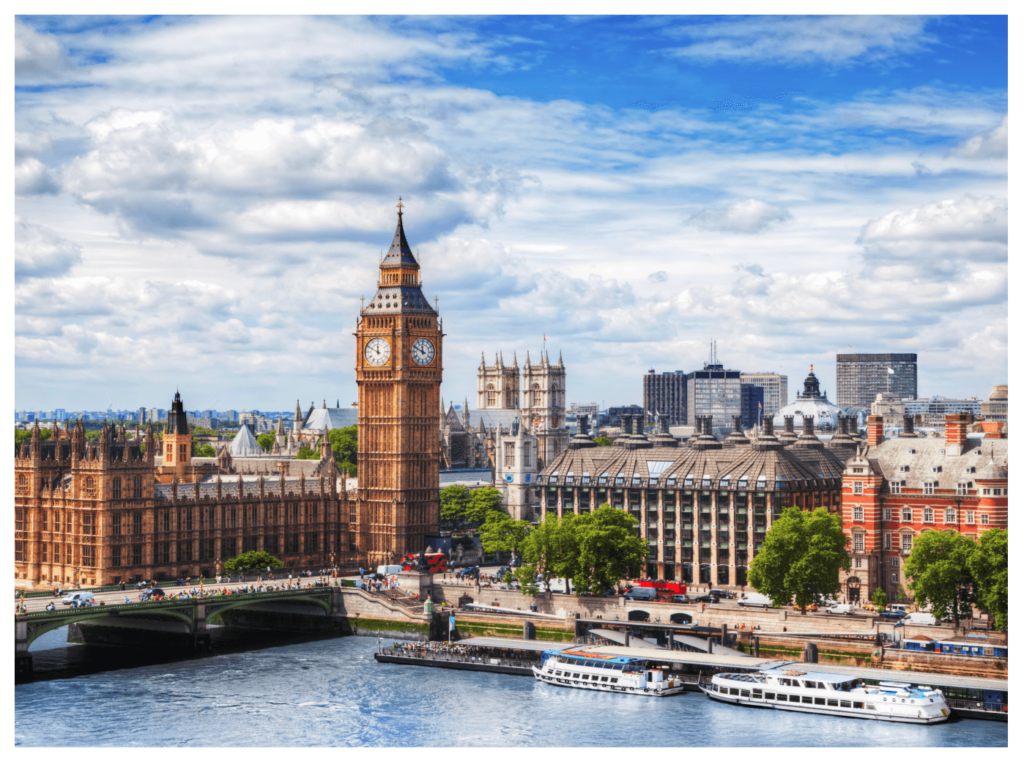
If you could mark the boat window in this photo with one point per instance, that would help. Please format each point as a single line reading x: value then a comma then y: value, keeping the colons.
x: 575, y: 674
x: 845, y: 704
x: 819, y: 701
x: 604, y: 679
x: 793, y: 698
x: 858, y: 705
x: 745, y: 694
x: 734, y: 691
x: 769, y: 696
x: 615, y: 679
x: 757, y: 693
x: 808, y: 699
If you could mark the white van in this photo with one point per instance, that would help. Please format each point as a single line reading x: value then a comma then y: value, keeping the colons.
x: 840, y: 608
x: 78, y: 599
x: 642, y: 594
x: 755, y: 600
x: 389, y: 569
x: 901, y: 608
x: 919, y: 618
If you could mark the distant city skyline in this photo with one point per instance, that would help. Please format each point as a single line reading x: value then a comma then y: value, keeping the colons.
x: 192, y: 211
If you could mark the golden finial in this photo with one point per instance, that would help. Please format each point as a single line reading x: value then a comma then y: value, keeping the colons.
x: 812, y: 367
x: 400, y: 205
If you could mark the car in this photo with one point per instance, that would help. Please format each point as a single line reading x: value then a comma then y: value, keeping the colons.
x: 868, y: 606
x: 709, y: 598
x: 896, y: 616
x: 680, y: 598
x: 724, y: 594
x: 680, y: 618
x: 812, y: 607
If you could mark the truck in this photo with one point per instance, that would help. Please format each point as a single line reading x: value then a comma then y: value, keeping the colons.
x: 663, y: 590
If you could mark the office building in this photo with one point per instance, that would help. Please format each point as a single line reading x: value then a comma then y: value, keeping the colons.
x: 996, y: 407
x: 713, y: 391
x: 933, y: 411
x: 665, y: 396
x: 861, y: 377
x: 776, y: 389
x: 615, y: 414
x: 751, y: 403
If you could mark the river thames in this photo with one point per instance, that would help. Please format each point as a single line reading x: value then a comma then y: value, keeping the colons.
x: 333, y: 693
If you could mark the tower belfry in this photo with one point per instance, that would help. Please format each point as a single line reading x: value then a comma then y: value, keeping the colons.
x: 398, y: 372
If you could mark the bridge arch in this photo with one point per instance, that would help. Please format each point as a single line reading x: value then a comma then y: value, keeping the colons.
x: 217, y: 608
x: 41, y: 626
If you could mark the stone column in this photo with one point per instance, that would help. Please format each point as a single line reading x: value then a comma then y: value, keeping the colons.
x: 22, y: 658
x: 735, y: 539
x: 643, y: 517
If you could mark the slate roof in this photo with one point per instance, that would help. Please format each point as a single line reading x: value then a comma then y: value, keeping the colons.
x: 887, y: 457
x: 331, y: 418
x: 244, y: 443
x: 229, y: 488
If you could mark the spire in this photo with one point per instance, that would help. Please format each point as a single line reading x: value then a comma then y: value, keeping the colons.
x: 560, y: 363
x: 483, y: 363
x: 527, y: 365
x: 400, y: 254
x: 298, y: 411
x: 515, y: 360
x: 325, y: 404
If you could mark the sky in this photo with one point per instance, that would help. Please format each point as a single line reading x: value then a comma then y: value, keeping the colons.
x: 201, y: 202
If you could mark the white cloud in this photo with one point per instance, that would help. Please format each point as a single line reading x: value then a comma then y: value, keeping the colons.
x: 41, y: 252
x: 992, y: 144
x: 38, y: 57
x: 750, y: 216
x: 834, y: 40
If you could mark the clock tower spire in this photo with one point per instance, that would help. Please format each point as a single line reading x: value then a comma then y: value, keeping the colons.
x: 398, y: 372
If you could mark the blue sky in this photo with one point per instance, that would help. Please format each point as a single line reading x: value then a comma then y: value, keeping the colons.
x: 201, y: 200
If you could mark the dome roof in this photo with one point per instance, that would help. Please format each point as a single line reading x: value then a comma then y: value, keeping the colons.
x: 813, y: 402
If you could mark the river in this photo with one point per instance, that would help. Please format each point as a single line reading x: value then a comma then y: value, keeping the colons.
x: 333, y: 693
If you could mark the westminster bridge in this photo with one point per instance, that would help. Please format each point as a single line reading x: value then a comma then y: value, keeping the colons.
x: 181, y: 623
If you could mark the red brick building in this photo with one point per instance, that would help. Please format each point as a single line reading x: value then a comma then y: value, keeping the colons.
x: 894, y: 489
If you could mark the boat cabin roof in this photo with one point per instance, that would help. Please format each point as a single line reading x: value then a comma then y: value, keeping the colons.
x: 824, y: 677
x: 589, y: 655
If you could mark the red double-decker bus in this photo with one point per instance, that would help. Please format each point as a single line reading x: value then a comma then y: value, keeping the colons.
x: 665, y: 589
x: 436, y: 562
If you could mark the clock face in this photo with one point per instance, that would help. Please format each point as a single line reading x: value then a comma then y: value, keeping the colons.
x: 377, y: 351
x: 423, y: 352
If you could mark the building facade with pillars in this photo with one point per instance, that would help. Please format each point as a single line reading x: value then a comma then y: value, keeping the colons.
x: 898, y: 487
x: 704, y: 506
x: 98, y: 512
x: 398, y: 372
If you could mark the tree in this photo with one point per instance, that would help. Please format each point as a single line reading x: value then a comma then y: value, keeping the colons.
x: 801, y: 558
x: 205, y: 451
x: 500, y: 533
x: 603, y: 442
x: 990, y: 566
x: 481, y: 502
x: 880, y: 599
x: 252, y: 559
x: 551, y: 552
x: 454, y: 502
x: 345, y: 446
x: 939, y: 574
x: 609, y: 550
x: 266, y: 441
x: 305, y: 453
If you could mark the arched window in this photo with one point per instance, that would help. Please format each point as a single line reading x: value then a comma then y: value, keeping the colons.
x: 492, y: 396
x: 536, y: 395
x: 22, y: 482
x: 90, y: 485
x: 115, y: 488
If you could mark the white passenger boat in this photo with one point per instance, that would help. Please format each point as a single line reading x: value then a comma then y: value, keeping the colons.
x: 826, y: 693
x: 599, y: 672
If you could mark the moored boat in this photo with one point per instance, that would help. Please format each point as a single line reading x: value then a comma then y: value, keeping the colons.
x: 826, y: 693
x: 600, y: 672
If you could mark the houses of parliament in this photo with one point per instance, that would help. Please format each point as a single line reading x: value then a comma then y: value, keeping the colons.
x: 128, y: 508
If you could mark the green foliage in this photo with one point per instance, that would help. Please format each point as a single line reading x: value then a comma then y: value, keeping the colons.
x: 990, y: 566
x: 482, y: 502
x: 305, y: 453
x: 801, y: 558
x: 454, y: 502
x: 500, y: 533
x: 252, y: 559
x: 26, y: 436
x: 266, y: 441
x: 939, y: 573
x: 880, y: 599
x: 901, y: 593
x: 205, y: 451
x: 603, y: 441
x: 345, y: 446
x: 609, y: 549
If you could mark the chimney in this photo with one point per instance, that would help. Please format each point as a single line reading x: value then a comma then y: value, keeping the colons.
x: 736, y: 427
x: 876, y: 432
x: 908, y: 426
x: 767, y: 427
x: 956, y: 429
x: 789, y: 423
x: 663, y: 425
x: 707, y: 425
x: 808, y: 426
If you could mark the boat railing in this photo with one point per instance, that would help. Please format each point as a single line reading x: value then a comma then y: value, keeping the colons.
x: 977, y: 706
x: 412, y: 653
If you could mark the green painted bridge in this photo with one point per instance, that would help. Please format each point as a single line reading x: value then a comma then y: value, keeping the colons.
x: 185, y: 616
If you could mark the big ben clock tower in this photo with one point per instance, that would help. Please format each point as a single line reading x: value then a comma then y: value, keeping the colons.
x: 398, y: 372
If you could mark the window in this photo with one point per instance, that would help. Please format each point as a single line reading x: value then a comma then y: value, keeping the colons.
x: 19, y: 550
x: 510, y: 454
x: 22, y: 482
x: 895, y: 579
x: 115, y: 524
x: 87, y: 555
x: 19, y: 521
x: 858, y: 488
x: 896, y: 487
x: 163, y: 552
x: 87, y: 526
x: 536, y: 395
x: 492, y: 396
x: 888, y: 542
x: 929, y: 488
x: 963, y: 487
x: 858, y: 563
x: 906, y: 542
x: 970, y: 517
x: 137, y: 488
x: 526, y: 454
x: 908, y: 514
x: 887, y: 514
x: 56, y: 521
x: 858, y: 543
x: 894, y: 563
x: 137, y: 555
x: 984, y: 519
x: 115, y: 556
x: 137, y: 523
x: 858, y: 513
x: 950, y: 516
x: 182, y: 452
x: 929, y: 516
x: 90, y: 486
x: 115, y: 488
x: 45, y: 547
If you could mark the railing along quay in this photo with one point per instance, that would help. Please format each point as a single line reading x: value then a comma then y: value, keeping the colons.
x: 412, y: 653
